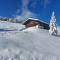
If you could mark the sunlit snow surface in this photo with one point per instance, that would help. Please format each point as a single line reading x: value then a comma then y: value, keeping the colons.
x: 30, y: 44
x: 10, y: 26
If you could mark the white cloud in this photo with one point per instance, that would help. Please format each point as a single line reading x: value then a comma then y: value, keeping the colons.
x: 25, y: 11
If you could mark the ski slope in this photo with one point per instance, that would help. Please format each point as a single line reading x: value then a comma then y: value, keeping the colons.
x: 30, y: 44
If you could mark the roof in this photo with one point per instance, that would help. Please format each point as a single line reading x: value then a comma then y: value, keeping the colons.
x: 33, y: 19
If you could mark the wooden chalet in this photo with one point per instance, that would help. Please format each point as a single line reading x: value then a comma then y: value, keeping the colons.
x: 33, y: 22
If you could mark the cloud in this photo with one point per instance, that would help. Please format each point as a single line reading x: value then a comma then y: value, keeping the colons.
x: 26, y: 13
x: 46, y: 2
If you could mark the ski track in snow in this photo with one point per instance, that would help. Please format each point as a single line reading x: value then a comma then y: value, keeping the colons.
x: 30, y: 44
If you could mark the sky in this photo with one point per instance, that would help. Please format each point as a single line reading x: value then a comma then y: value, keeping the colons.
x: 23, y: 9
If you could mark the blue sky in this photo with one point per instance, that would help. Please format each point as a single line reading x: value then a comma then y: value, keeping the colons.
x: 23, y: 9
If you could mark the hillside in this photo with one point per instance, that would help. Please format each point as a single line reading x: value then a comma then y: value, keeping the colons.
x: 30, y: 44
x: 10, y: 26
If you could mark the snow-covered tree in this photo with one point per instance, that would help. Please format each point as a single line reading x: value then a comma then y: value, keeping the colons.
x: 53, y: 25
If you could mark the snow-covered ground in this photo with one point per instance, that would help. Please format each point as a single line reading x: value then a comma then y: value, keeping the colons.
x: 10, y: 26
x: 30, y: 44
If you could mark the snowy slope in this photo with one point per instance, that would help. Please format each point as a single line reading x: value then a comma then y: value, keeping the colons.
x: 31, y: 29
x: 30, y: 44
x: 38, y: 45
x: 10, y: 26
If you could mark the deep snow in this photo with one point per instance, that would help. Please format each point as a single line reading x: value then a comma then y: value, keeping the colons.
x: 30, y: 44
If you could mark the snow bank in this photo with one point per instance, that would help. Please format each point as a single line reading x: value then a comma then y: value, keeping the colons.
x: 31, y: 29
x: 29, y: 46
x: 19, y: 45
x: 10, y: 26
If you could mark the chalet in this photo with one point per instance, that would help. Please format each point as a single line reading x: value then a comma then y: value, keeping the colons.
x: 33, y: 22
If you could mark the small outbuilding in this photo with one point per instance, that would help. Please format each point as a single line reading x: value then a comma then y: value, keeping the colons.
x: 33, y: 22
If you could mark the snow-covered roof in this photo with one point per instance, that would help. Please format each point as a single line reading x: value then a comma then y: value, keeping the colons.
x: 33, y: 18
x: 37, y: 19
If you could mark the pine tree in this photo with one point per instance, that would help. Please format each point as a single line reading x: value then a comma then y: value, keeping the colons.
x: 53, y: 25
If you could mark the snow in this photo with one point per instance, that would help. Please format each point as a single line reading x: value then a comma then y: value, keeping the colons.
x: 10, y: 26
x: 53, y: 25
x: 37, y: 19
x: 29, y: 44
x: 32, y: 29
x: 33, y: 18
